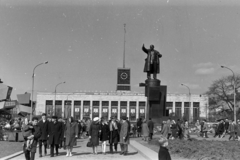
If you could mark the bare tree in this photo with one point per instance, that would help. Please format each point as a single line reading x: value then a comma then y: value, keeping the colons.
x: 221, y: 93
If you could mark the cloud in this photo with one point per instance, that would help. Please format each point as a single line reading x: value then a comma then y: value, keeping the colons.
x: 200, y: 65
x: 191, y: 86
x: 204, y: 71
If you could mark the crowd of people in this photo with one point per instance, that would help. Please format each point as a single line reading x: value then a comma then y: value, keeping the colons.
x: 229, y: 127
x: 54, y: 133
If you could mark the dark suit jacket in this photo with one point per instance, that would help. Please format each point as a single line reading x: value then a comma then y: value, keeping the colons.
x: 55, y: 132
x: 44, y: 129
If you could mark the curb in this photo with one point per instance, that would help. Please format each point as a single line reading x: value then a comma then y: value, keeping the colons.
x: 140, y: 152
x: 12, y: 156
x: 144, y: 154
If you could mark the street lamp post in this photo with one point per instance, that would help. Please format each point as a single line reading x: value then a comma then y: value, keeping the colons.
x: 234, y: 94
x: 54, y: 111
x: 189, y: 101
x: 33, y: 87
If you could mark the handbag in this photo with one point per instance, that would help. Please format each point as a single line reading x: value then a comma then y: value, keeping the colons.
x: 89, y: 143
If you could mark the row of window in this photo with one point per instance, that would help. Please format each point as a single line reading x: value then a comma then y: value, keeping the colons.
x: 96, y: 103
x: 94, y: 111
x: 186, y: 114
x: 179, y: 104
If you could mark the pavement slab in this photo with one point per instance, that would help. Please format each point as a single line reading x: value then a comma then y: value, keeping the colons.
x: 85, y: 153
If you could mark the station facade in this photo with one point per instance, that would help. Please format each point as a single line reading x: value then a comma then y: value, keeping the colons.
x: 106, y: 104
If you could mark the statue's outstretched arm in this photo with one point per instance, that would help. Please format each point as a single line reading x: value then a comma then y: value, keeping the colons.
x: 144, y: 49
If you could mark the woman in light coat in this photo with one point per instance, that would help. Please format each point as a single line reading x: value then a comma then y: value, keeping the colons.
x: 71, y: 133
x: 145, y: 130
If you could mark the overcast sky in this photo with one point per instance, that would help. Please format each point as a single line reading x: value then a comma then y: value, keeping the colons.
x: 83, y: 42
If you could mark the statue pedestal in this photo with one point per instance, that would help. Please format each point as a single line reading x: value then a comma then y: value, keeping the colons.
x: 156, y: 99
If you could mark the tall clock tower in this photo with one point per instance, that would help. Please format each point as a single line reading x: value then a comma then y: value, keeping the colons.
x: 123, y: 79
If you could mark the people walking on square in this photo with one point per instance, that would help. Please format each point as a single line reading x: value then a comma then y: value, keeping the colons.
x: 174, y: 129
x: 114, y: 137
x: 226, y: 126
x: 88, y: 123
x: 205, y: 129
x: 238, y: 130
x: 80, y: 128
x: 30, y: 154
x: 231, y: 130
x: 163, y: 153
x: 71, y: 134
x: 43, y: 124
x: 198, y: 128
x: 179, y: 129
x: 166, y: 129
x: 104, y: 134
x: 220, y: 129
x: 150, y: 127
x: 55, y: 133
x: 186, y: 130
x: 63, y: 138
x: 139, y: 127
x: 27, y: 133
x: 94, y: 130
x: 124, y: 136
x: 145, y: 130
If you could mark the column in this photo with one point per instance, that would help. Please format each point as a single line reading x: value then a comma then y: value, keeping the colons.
x: 174, y: 107
x: 100, y: 108
x: 182, y: 108
x: 109, y: 110
x: 191, y: 111
x: 128, y: 107
x: 91, y: 109
x: 137, y: 110
x: 63, y: 108
x: 118, y: 110
x: 72, y: 108
x: 81, y: 113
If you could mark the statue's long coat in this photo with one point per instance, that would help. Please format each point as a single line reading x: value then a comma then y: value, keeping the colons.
x: 156, y: 56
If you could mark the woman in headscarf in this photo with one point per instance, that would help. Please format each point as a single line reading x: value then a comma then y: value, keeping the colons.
x: 71, y: 133
x: 94, y: 130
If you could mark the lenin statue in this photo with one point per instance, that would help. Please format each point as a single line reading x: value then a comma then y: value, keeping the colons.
x: 152, y: 63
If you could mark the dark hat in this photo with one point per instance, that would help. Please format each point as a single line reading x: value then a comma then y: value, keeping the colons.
x: 113, y: 117
x: 124, y: 118
x: 54, y: 117
x: 44, y: 114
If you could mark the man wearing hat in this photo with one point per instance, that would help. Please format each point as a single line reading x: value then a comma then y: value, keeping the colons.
x: 43, y: 124
x: 124, y: 136
x: 55, y: 132
x: 114, y: 128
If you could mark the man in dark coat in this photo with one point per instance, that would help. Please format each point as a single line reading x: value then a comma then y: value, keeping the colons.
x: 150, y: 127
x: 37, y: 134
x: 55, y: 133
x: 220, y: 129
x: 124, y: 136
x: 62, y: 139
x: 139, y: 127
x: 151, y: 62
x: 43, y: 124
x: 114, y: 128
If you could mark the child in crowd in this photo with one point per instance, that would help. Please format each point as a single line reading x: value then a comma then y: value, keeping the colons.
x: 27, y: 134
x: 163, y: 153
